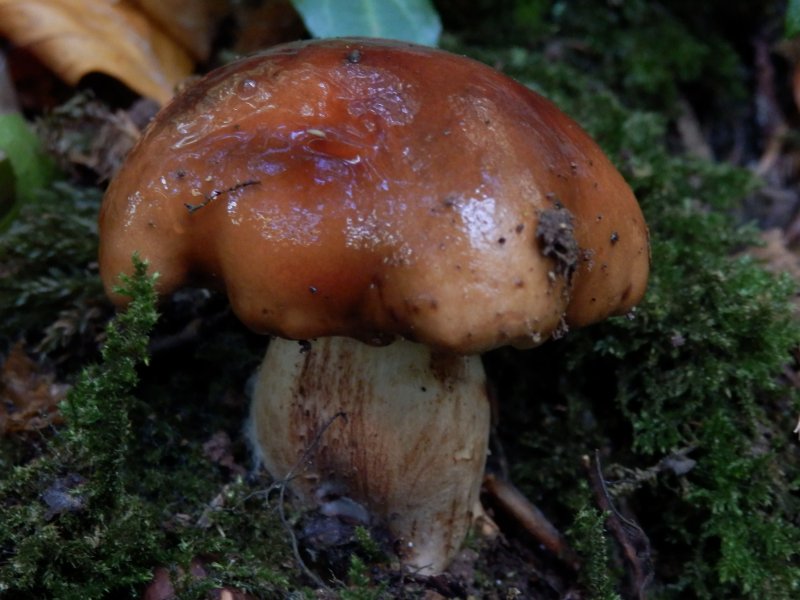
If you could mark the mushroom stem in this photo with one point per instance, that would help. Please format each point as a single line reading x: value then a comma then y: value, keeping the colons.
x: 411, y: 450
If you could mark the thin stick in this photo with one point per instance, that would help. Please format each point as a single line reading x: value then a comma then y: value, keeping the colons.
x: 634, y: 541
x: 525, y: 513
x: 215, y: 193
x: 281, y: 485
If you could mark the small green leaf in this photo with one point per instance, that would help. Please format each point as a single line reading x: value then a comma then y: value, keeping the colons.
x: 32, y: 169
x: 792, y: 22
x: 408, y: 20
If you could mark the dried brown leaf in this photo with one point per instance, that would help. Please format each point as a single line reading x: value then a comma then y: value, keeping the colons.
x: 29, y: 397
x: 85, y: 133
x: 192, y: 23
x: 776, y: 255
x: 162, y: 587
x: 219, y: 449
x: 77, y: 37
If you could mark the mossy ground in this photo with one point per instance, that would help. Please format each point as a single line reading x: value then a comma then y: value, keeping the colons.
x: 683, y: 401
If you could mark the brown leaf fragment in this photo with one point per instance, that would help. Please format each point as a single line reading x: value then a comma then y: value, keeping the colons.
x: 77, y: 37
x: 231, y: 594
x: 219, y: 450
x: 85, y: 133
x: 29, y: 397
x: 778, y: 257
x: 789, y: 49
x: 775, y: 254
x: 162, y: 586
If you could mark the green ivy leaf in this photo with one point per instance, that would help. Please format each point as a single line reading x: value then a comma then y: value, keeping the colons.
x: 408, y: 20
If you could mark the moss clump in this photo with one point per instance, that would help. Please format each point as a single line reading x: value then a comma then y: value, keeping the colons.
x: 588, y: 538
x: 651, y: 53
x: 69, y: 527
x: 696, y: 368
x: 96, y: 512
x: 360, y: 586
x: 49, y: 289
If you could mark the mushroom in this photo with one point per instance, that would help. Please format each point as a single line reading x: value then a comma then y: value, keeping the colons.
x: 400, y: 210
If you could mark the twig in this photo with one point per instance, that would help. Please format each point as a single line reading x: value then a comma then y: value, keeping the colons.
x: 634, y: 541
x: 630, y: 480
x: 792, y: 376
x: 794, y: 379
x: 208, y: 198
x: 690, y: 131
x: 281, y: 486
x: 769, y: 116
x: 514, y: 503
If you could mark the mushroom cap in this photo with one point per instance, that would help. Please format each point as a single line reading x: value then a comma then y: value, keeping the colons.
x: 376, y: 189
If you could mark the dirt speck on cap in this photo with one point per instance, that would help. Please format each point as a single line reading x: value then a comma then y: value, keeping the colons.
x: 556, y: 236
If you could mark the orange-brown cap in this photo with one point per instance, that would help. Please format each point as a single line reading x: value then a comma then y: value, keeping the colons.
x: 375, y: 189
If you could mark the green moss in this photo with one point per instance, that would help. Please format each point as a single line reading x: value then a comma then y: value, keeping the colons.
x: 651, y: 53
x: 96, y: 512
x: 360, y: 585
x: 370, y: 548
x: 242, y: 533
x: 49, y: 271
x: 588, y: 539
x: 68, y: 526
x: 647, y: 51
